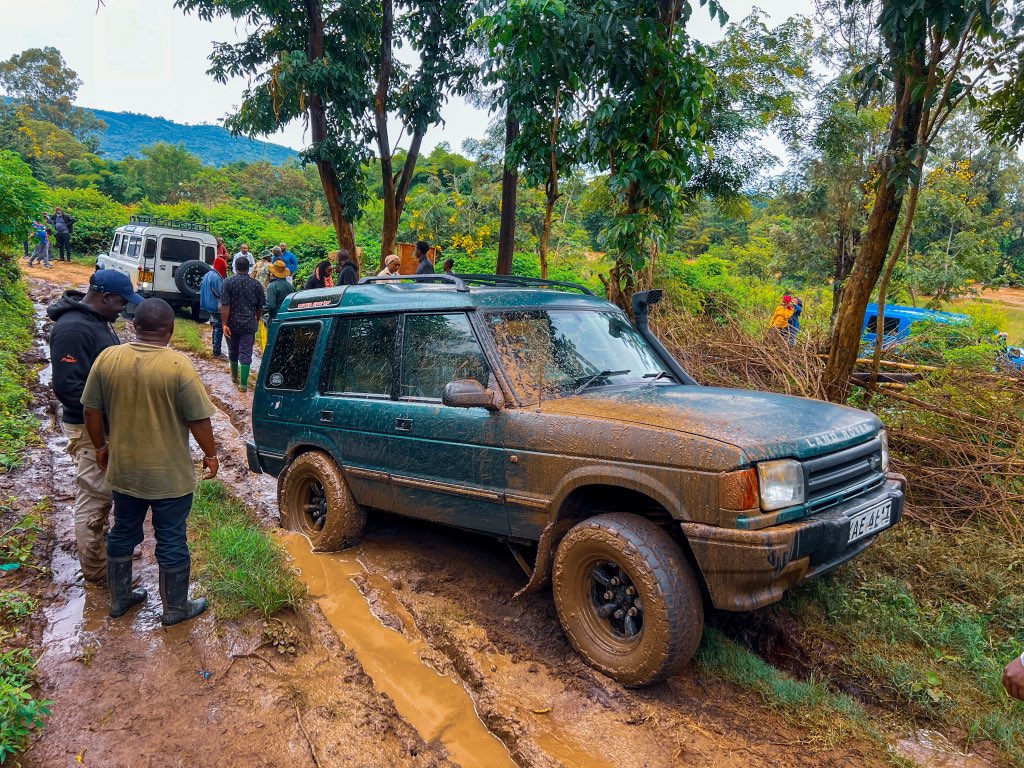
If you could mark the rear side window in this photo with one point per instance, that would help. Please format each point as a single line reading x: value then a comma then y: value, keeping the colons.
x: 364, y: 356
x: 175, y: 249
x: 150, y: 247
x: 133, y: 247
x: 891, y: 325
x: 211, y: 254
x: 438, y: 349
x: 116, y: 245
x: 292, y: 356
x: 124, y: 244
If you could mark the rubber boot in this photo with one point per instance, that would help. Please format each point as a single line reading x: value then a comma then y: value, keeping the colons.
x: 119, y: 584
x: 234, y: 371
x: 174, y: 593
x: 243, y: 378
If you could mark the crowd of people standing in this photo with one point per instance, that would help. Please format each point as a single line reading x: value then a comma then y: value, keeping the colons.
x: 46, y: 230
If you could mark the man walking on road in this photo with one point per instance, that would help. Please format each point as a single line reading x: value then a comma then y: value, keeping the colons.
x: 241, y: 307
x: 63, y: 225
x: 81, y: 331
x: 209, y: 301
x: 152, y: 398
x: 41, y: 252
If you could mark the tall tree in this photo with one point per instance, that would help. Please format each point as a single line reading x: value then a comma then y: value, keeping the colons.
x: 38, y: 79
x: 437, y: 31
x: 312, y: 60
x: 937, y: 54
x: 540, y: 54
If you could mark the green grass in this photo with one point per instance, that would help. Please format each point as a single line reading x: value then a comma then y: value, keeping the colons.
x: 923, y: 624
x: 1010, y: 316
x: 18, y: 427
x: 189, y: 337
x: 242, y: 568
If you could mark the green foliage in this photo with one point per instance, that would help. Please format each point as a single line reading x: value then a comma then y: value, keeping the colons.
x: 21, y: 202
x: 241, y: 566
x: 16, y: 605
x: 18, y: 427
x: 21, y: 714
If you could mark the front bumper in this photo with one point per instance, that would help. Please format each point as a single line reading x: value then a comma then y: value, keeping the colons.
x: 744, y: 570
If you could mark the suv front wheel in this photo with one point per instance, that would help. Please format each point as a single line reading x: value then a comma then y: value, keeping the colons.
x: 627, y: 598
x: 315, y: 500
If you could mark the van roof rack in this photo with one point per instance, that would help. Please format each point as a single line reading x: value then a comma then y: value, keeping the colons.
x: 160, y: 221
x: 462, y: 282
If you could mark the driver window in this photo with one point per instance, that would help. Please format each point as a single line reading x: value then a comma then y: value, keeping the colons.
x: 436, y: 350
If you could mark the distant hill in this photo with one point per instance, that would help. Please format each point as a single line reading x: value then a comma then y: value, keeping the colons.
x: 128, y: 132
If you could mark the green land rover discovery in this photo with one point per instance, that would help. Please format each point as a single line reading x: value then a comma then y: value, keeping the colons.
x: 538, y: 413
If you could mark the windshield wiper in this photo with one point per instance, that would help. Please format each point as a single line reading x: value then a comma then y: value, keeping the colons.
x: 655, y: 377
x: 596, y: 376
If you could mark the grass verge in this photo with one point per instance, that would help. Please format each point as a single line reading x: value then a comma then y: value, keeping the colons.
x: 189, y: 336
x: 241, y: 566
x: 923, y: 624
x: 18, y: 427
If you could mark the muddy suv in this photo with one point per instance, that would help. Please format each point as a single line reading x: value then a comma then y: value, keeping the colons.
x: 537, y: 413
x: 166, y: 258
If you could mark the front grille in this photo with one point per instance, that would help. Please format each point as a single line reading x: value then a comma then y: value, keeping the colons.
x: 844, y: 474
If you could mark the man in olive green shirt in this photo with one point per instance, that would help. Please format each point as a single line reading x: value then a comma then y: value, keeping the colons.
x: 151, y: 399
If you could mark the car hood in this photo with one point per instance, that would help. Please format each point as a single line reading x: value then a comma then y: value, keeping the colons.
x: 763, y: 425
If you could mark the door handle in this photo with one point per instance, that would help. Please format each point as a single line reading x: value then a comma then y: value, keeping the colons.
x: 326, y: 415
x: 403, y: 425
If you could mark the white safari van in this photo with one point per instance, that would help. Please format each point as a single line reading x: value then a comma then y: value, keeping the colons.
x: 166, y: 258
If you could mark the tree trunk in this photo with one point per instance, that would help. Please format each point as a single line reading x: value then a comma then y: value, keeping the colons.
x: 841, y: 267
x: 545, y: 233
x: 550, y: 191
x: 846, y: 334
x: 509, y: 182
x: 318, y: 132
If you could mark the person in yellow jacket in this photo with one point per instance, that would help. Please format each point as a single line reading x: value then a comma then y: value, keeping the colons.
x: 780, y: 318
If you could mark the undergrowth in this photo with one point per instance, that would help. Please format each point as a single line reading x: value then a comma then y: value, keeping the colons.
x: 241, y: 566
x: 18, y: 426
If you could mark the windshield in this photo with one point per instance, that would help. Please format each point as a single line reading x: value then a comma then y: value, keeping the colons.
x: 557, y: 353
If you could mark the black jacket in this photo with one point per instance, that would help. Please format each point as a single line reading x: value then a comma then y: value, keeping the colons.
x: 78, y: 336
x: 425, y: 267
x: 349, y: 274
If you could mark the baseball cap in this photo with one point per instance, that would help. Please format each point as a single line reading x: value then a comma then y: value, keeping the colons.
x: 112, y: 281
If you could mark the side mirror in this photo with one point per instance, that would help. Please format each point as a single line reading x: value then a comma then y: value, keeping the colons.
x: 470, y: 393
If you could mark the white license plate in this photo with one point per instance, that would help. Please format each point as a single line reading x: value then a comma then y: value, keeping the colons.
x: 870, y: 520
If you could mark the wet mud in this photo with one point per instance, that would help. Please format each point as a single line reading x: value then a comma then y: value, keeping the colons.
x: 411, y: 652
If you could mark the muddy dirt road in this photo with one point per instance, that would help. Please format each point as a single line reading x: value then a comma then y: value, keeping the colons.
x: 410, y: 652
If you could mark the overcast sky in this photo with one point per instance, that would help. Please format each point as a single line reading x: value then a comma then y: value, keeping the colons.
x: 146, y: 56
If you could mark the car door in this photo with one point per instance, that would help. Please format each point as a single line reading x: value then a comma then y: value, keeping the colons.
x: 447, y: 463
x: 174, y: 251
x: 355, y: 405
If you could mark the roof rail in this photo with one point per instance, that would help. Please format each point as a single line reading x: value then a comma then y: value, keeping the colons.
x: 460, y: 285
x: 160, y: 221
x: 526, y: 282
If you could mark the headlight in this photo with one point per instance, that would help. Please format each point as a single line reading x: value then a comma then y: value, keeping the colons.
x: 782, y: 484
x: 884, y: 439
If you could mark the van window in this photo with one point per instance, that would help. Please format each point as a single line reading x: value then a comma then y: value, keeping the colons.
x: 116, y: 245
x: 293, y: 356
x: 134, y: 243
x: 176, y: 249
x: 891, y: 324
x: 364, y: 356
x: 437, y: 349
x: 124, y: 244
x: 211, y: 254
x: 150, y: 247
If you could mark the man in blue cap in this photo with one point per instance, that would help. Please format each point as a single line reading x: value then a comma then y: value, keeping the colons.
x: 81, y: 330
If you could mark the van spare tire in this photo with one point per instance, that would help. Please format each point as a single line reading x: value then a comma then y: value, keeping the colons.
x: 189, y: 276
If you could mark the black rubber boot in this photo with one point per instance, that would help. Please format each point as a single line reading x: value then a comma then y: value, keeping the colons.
x: 119, y: 584
x: 174, y: 593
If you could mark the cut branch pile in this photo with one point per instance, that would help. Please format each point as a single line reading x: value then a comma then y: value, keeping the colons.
x: 958, y: 435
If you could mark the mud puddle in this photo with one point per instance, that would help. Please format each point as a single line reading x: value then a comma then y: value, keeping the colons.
x: 437, y: 706
x: 931, y: 749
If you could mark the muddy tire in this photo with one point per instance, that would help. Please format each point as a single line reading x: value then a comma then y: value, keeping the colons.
x: 315, y: 500
x: 609, y: 564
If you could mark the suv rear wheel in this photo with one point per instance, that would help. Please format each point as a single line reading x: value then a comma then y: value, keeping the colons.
x: 315, y: 500
x: 189, y: 277
x: 627, y: 598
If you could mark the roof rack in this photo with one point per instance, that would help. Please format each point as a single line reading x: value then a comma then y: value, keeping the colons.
x: 160, y: 221
x: 460, y: 285
x: 517, y: 281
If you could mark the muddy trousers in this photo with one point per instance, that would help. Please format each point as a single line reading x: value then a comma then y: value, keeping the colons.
x: 92, y: 505
x: 169, y: 518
